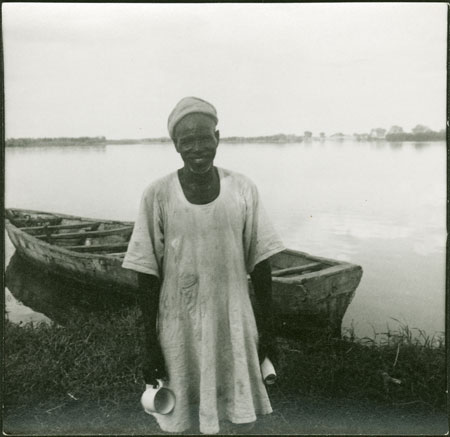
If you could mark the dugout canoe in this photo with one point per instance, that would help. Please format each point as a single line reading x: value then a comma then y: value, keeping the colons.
x: 310, y: 293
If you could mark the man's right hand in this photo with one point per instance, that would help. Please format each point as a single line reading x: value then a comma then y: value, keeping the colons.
x: 154, y: 366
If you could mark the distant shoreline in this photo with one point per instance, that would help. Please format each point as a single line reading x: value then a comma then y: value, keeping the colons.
x: 272, y: 139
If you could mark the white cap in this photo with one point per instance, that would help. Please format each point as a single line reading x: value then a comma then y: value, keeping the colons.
x: 189, y: 105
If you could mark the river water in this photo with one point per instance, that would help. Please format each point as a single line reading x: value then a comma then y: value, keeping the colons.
x: 381, y: 205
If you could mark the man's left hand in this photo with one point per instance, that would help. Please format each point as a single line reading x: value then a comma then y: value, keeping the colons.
x: 268, y: 348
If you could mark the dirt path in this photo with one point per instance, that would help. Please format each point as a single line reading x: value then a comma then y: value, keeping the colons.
x: 302, y: 415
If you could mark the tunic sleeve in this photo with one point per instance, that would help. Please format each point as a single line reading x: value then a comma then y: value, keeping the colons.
x: 260, y: 238
x: 146, y: 248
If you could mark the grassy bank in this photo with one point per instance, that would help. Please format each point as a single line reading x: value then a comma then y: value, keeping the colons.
x: 91, y: 366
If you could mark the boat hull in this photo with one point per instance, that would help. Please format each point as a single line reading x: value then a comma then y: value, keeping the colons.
x: 316, y: 303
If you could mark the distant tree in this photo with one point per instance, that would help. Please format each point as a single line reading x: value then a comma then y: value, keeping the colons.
x: 322, y: 134
x: 420, y: 128
x: 395, y: 130
x: 308, y: 134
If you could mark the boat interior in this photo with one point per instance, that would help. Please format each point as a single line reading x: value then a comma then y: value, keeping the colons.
x: 77, y: 234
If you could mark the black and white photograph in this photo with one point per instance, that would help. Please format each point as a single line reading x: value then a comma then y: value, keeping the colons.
x: 225, y: 219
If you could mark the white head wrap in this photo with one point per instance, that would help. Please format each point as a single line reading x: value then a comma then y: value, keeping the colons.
x: 189, y: 105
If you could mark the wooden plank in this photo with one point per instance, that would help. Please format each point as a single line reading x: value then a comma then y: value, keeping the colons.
x: 296, y: 270
x: 74, y: 217
x: 92, y: 225
x: 88, y: 234
x: 291, y: 258
x: 29, y: 217
x: 115, y: 247
x: 24, y: 223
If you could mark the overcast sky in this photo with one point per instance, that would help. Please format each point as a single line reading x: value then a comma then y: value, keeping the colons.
x: 118, y: 69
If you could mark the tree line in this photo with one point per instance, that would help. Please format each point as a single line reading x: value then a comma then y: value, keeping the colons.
x: 396, y: 133
x: 54, y: 141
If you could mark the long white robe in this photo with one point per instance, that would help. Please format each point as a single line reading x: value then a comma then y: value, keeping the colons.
x: 207, y: 329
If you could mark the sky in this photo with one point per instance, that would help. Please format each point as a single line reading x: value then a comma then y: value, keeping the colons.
x: 117, y: 70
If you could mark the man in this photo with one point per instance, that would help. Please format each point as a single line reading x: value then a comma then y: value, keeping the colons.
x: 199, y: 232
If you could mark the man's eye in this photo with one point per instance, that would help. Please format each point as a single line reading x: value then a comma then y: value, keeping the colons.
x: 191, y: 143
x: 207, y: 140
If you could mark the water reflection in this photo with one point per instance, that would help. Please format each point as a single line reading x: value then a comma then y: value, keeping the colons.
x: 395, y: 145
x: 18, y: 313
x: 57, y: 298
x: 420, y: 145
x: 378, y: 144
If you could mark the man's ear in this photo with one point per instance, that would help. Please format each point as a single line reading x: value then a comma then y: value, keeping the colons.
x: 217, y: 135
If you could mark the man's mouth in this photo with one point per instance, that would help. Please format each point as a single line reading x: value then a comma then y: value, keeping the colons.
x: 200, y: 159
x: 199, y: 164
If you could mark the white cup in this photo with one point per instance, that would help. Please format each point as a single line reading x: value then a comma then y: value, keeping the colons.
x: 268, y: 372
x: 158, y: 399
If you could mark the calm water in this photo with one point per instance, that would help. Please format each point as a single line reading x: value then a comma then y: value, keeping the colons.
x: 380, y: 205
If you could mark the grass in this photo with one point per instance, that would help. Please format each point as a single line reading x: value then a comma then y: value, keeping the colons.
x: 395, y: 367
x: 93, y: 358
x: 86, y: 376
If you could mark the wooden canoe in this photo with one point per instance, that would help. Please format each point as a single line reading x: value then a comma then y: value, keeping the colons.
x: 310, y: 293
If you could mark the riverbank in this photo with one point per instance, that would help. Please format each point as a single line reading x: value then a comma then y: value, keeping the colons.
x: 85, y: 378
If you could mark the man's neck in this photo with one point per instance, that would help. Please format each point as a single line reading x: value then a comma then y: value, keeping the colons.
x: 198, y: 179
x: 200, y: 188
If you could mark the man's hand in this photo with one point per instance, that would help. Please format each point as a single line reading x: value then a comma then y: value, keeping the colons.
x: 154, y: 366
x: 262, y: 286
x: 267, y: 348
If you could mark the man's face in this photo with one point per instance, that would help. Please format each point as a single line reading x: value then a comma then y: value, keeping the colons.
x: 196, y: 140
